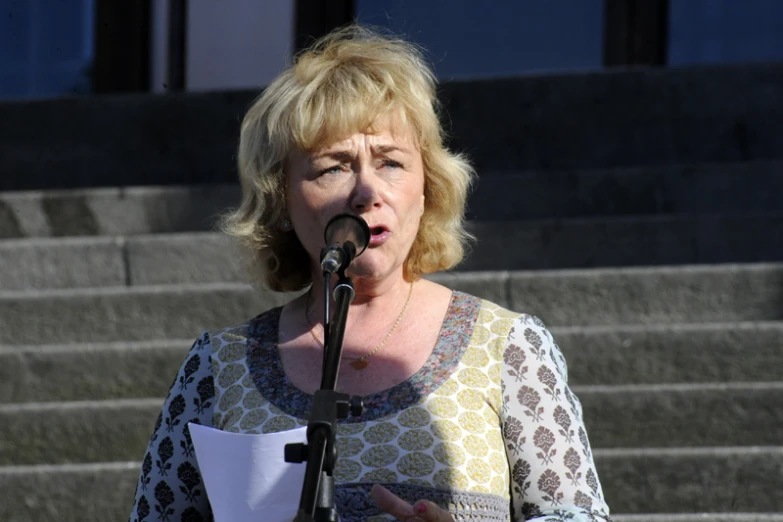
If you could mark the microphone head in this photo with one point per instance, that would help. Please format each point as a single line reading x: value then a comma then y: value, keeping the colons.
x: 344, y: 228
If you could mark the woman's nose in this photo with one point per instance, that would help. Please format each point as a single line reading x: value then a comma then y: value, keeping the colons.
x: 365, y: 194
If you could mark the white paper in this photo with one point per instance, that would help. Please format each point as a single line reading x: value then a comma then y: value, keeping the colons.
x: 246, y: 476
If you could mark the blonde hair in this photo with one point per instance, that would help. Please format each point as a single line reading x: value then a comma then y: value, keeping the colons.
x: 338, y: 87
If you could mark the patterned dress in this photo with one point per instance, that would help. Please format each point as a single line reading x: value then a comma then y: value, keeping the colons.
x: 488, y: 428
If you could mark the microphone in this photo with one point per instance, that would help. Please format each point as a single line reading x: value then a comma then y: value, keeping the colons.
x: 346, y: 237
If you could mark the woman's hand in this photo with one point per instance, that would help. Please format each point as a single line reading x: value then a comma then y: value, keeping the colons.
x: 421, y: 510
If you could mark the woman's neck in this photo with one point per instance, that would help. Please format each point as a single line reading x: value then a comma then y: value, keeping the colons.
x: 373, y: 298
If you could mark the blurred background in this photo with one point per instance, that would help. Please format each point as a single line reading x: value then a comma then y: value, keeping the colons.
x: 66, y: 47
x: 630, y: 194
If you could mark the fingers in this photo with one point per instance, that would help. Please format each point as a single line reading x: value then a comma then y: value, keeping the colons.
x: 431, y: 512
x: 422, y: 510
x: 391, y: 503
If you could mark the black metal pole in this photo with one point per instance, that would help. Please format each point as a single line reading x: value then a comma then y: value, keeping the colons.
x: 317, y: 450
x: 122, y: 46
x: 177, y: 45
x: 316, y: 18
x: 343, y: 295
x: 327, y: 314
x: 635, y: 32
x: 316, y: 502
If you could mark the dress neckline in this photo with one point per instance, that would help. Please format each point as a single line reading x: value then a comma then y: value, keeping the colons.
x: 266, y: 369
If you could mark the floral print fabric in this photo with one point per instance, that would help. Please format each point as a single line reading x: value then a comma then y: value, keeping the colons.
x: 170, y: 486
x: 488, y: 427
x: 552, y: 469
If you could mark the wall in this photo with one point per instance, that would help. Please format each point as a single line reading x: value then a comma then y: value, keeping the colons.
x: 230, y: 45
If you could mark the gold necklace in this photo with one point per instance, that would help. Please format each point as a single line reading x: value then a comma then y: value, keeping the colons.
x: 360, y: 363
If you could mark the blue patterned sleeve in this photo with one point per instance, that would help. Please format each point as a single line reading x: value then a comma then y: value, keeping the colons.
x: 553, y: 476
x: 170, y: 486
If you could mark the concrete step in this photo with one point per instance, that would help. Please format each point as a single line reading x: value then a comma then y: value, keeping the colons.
x: 128, y: 314
x: 744, y: 479
x: 655, y: 354
x: 76, y: 432
x: 84, y: 372
x: 49, y: 263
x: 45, y: 263
x: 69, y: 493
x: 629, y: 118
x: 686, y: 415
x: 727, y: 293
x: 616, y: 417
x: 701, y: 517
x: 732, y: 188
x: 115, y: 211
x: 692, y: 294
x: 654, y: 483
x: 624, y: 118
x: 62, y: 263
x: 626, y: 241
x: 712, y: 188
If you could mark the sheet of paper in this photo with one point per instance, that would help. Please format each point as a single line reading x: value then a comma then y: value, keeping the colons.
x: 246, y: 477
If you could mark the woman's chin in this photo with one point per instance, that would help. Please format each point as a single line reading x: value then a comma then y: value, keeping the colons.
x: 369, y: 270
x: 365, y: 273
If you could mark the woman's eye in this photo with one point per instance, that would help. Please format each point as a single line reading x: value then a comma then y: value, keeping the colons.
x: 391, y: 163
x: 335, y: 169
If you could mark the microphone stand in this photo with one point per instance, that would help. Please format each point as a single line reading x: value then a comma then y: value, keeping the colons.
x: 317, y: 500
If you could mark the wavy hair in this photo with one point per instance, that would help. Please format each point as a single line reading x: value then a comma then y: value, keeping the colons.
x: 337, y: 87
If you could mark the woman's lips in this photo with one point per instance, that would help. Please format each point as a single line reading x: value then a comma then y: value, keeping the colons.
x: 378, y: 235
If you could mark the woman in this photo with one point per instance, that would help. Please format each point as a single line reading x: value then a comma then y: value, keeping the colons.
x: 467, y: 409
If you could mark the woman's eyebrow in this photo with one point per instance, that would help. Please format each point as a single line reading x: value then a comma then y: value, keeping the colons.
x: 346, y: 155
x: 339, y: 155
x: 385, y: 149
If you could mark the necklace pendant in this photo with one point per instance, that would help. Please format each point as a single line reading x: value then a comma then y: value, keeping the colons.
x: 359, y: 365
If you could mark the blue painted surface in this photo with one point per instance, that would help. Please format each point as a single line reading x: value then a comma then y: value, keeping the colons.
x: 46, y: 47
x: 479, y: 39
x: 725, y: 31
x: 474, y: 39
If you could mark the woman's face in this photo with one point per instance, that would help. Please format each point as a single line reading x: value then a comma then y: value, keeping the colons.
x: 377, y: 176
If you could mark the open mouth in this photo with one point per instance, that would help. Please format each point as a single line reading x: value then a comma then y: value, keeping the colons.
x: 378, y: 235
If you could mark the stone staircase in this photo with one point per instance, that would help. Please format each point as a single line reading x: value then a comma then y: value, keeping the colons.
x: 649, y: 238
